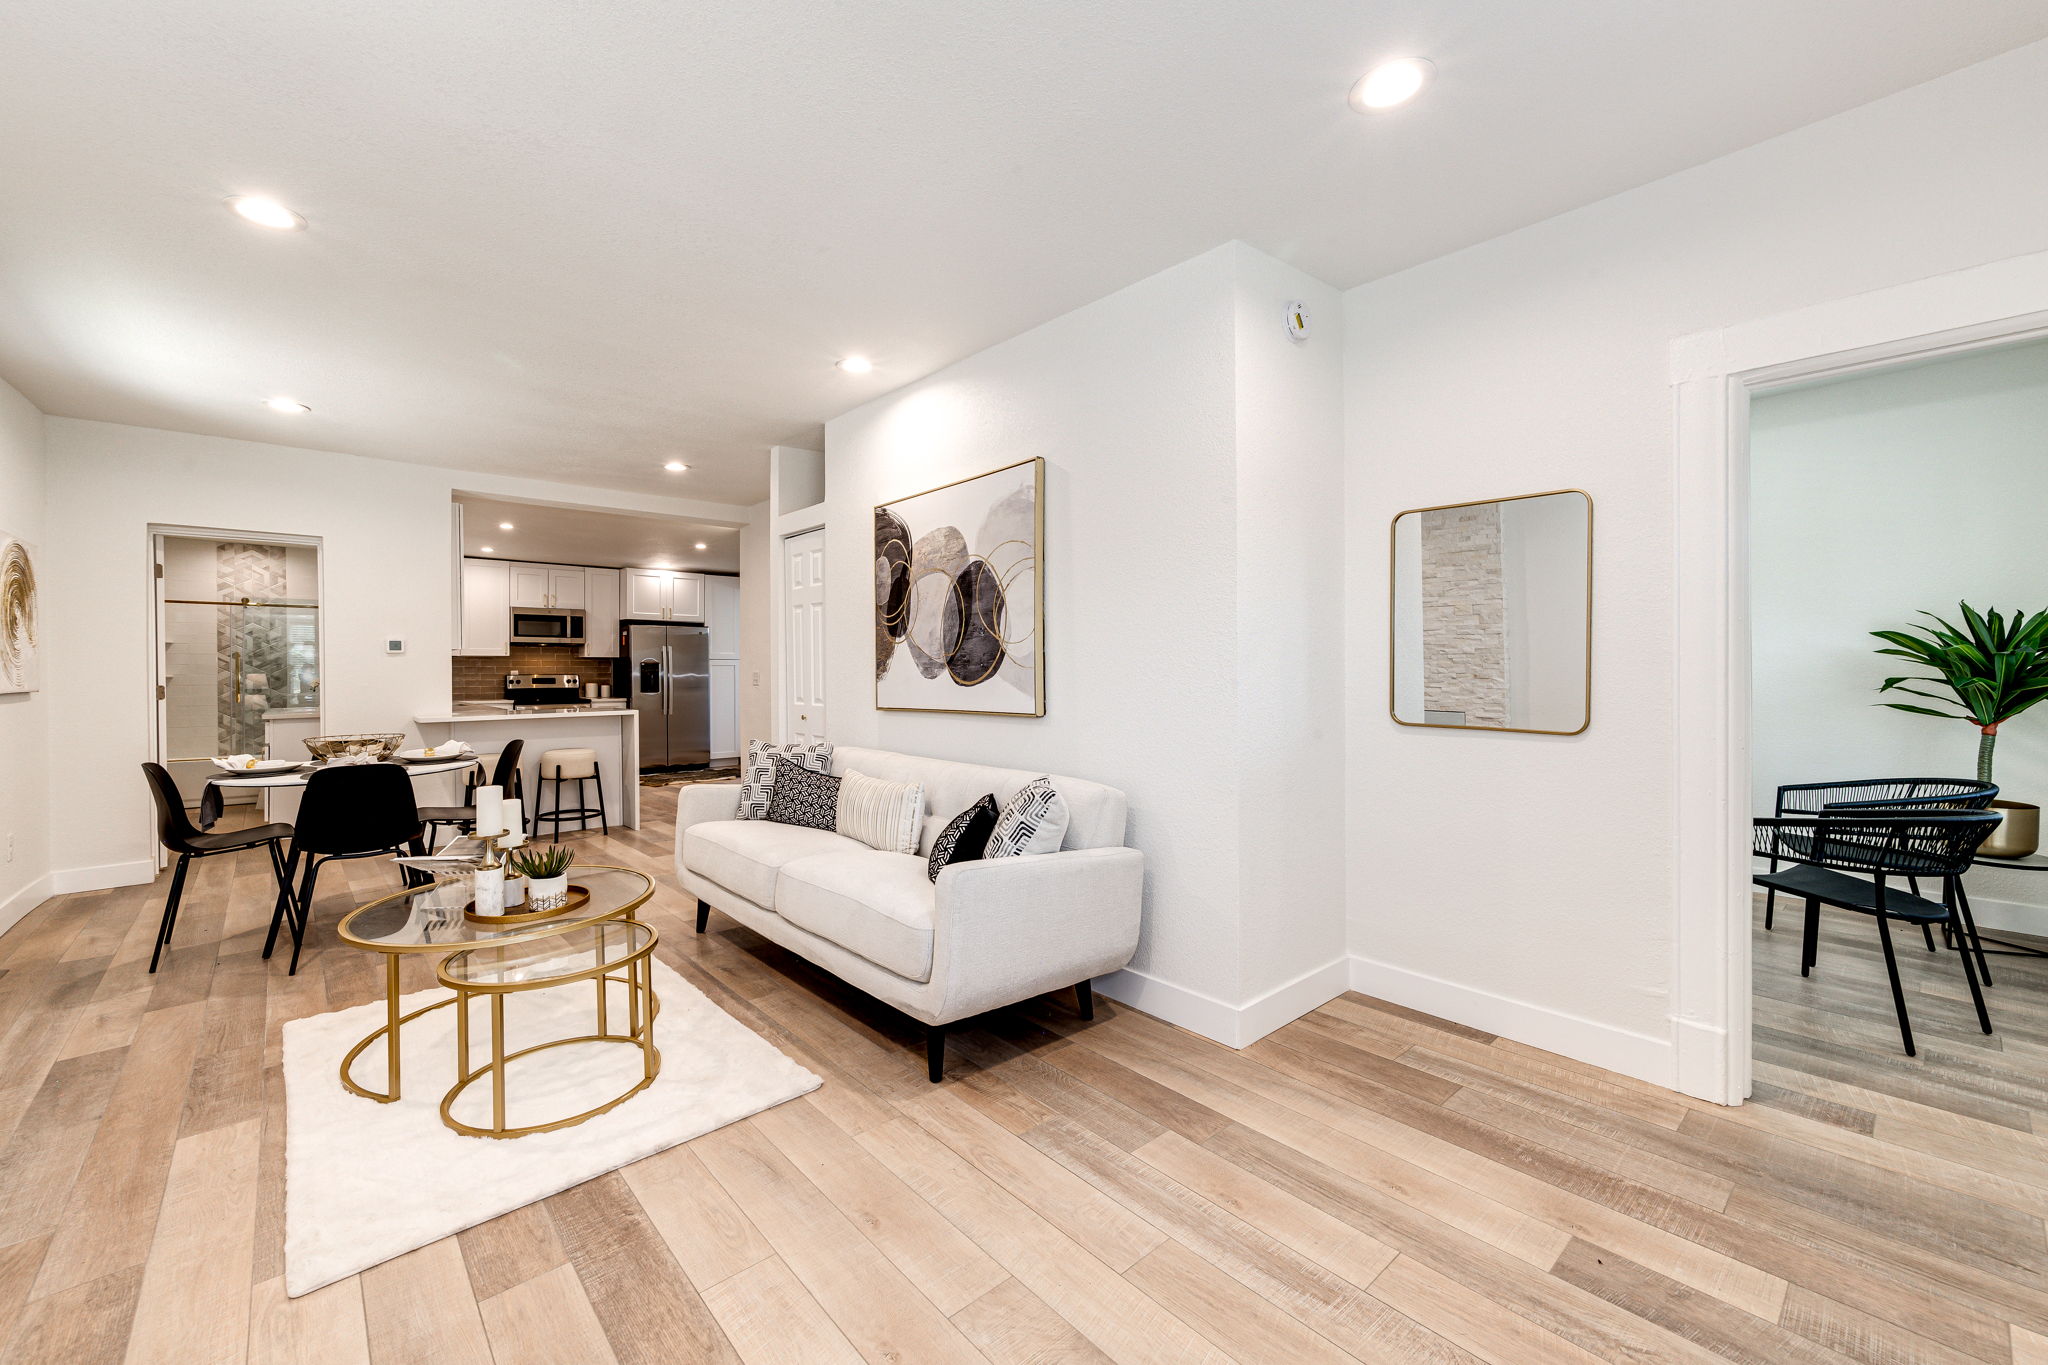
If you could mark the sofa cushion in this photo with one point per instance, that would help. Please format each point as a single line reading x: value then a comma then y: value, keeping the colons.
x: 803, y: 797
x: 1095, y: 812
x: 757, y: 780
x: 868, y: 902
x: 743, y: 856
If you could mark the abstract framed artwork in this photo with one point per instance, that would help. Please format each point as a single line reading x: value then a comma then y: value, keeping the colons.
x: 959, y: 596
x: 20, y: 668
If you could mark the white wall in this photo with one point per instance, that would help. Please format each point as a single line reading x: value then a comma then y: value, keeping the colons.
x: 1192, y: 575
x: 756, y: 674
x: 1542, y: 903
x: 24, y: 716
x: 384, y: 565
x: 1877, y: 497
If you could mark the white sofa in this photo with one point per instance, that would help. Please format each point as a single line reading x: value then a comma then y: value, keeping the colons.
x: 987, y: 933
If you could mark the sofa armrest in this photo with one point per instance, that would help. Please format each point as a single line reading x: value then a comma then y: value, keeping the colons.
x: 1005, y: 929
x: 700, y: 803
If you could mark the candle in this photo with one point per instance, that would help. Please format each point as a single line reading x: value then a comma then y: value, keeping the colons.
x: 490, y: 811
x: 515, y: 823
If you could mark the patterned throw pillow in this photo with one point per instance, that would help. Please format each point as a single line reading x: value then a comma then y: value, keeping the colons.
x: 757, y: 779
x: 1034, y: 821
x: 965, y: 837
x: 881, y: 814
x: 802, y: 797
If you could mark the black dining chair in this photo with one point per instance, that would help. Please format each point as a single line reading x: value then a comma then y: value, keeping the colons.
x: 1828, y: 849
x: 360, y: 810
x: 177, y: 833
x: 1878, y: 794
x: 504, y: 774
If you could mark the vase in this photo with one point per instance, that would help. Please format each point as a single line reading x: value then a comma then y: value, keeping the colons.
x: 489, y: 891
x: 545, y: 893
x: 2017, y: 835
x: 515, y: 890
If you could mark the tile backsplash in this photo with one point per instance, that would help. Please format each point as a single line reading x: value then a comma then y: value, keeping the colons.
x: 482, y: 678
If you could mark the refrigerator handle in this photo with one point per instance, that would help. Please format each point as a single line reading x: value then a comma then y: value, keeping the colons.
x: 668, y: 679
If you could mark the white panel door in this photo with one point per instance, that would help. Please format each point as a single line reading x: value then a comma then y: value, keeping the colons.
x: 804, y: 635
x: 565, y: 588
x: 529, y: 585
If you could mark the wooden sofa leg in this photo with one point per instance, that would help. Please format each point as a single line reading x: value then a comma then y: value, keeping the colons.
x: 1084, y: 996
x: 703, y: 916
x: 935, y: 1051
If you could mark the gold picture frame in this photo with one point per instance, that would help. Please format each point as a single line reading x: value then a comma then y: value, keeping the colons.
x: 979, y: 583
x: 1393, y: 623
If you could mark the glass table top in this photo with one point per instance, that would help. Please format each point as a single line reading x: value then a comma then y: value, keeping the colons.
x: 429, y: 919
x: 534, y: 961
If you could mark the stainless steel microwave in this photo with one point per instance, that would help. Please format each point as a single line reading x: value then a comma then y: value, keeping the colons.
x: 546, y: 626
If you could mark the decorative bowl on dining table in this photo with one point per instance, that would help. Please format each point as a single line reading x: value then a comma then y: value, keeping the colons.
x: 354, y: 748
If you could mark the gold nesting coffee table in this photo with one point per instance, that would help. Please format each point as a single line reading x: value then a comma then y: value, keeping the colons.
x: 591, y: 952
x: 429, y: 919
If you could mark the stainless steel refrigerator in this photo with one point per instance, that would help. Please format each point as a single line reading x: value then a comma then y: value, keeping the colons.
x: 668, y: 669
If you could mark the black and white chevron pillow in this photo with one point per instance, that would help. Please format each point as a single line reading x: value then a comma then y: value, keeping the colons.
x: 1033, y: 821
x: 757, y: 781
x: 802, y: 797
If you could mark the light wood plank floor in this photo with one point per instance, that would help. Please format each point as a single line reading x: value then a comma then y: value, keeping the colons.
x: 1366, y: 1184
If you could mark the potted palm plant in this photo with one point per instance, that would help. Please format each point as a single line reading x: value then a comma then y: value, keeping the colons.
x: 1992, y: 671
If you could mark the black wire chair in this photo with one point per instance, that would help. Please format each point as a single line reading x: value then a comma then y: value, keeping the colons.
x: 1826, y: 847
x: 1878, y: 794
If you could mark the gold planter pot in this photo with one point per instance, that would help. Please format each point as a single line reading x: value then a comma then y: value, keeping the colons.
x: 2017, y: 835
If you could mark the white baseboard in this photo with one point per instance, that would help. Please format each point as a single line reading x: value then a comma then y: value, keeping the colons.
x: 17, y: 906
x: 103, y: 877
x: 1632, y: 1054
x: 2017, y: 916
x: 1231, y: 1025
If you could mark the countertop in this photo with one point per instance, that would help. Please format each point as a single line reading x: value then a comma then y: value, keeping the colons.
x: 466, y: 714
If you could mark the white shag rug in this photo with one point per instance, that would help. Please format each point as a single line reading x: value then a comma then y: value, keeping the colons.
x: 366, y: 1181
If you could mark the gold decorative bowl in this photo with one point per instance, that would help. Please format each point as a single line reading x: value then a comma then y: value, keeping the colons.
x: 375, y: 748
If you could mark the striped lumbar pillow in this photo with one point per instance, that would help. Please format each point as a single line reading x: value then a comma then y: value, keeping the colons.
x: 883, y: 815
x: 1033, y: 821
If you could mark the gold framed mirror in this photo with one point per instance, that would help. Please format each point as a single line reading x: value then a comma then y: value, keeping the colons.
x: 1490, y: 615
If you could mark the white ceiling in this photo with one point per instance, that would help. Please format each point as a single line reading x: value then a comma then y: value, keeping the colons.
x: 575, y: 535
x: 574, y: 239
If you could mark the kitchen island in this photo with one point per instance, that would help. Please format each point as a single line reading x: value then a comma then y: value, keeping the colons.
x: 614, y: 734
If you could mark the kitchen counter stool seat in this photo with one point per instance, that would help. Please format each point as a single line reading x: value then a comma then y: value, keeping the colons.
x: 178, y: 834
x: 569, y: 765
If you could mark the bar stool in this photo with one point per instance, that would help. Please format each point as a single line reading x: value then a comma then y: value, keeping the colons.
x: 569, y: 765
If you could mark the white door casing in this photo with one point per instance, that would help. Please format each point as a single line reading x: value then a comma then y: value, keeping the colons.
x: 803, y: 559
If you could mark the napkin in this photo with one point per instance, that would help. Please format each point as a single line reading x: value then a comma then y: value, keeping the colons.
x: 236, y: 763
x: 454, y: 748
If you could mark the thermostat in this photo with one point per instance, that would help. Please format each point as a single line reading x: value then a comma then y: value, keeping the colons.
x: 1297, y: 320
x: 394, y: 646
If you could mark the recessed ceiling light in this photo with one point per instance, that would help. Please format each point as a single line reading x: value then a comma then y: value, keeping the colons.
x: 702, y: 546
x: 266, y: 212
x: 1391, y: 83
x: 504, y: 526
x: 675, y: 466
x: 856, y: 364
x: 291, y: 405
x: 483, y: 549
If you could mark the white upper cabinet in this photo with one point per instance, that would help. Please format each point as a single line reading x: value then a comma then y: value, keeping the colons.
x: 529, y: 585
x: 566, y: 587
x: 486, y: 608
x: 664, y: 595
x: 600, y: 614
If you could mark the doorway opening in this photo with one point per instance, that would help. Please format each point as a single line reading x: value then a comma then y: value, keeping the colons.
x: 237, y: 657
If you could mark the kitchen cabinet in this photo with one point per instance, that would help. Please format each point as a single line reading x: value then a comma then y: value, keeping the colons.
x: 600, y: 615
x: 529, y: 585
x: 566, y: 587
x: 486, y: 608
x: 722, y: 619
x: 664, y: 595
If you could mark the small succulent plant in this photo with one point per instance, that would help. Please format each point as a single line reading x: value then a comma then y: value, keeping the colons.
x: 551, y: 860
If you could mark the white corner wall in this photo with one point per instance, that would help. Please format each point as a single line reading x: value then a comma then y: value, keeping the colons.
x: 24, y: 716
x: 1192, y: 458
x: 1526, y: 884
x: 1876, y: 497
x: 384, y: 534
x: 757, y: 719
